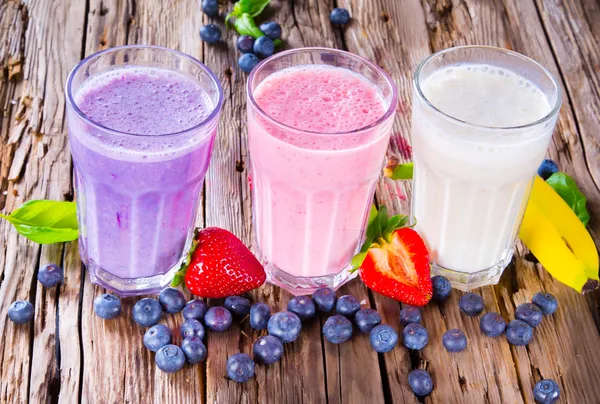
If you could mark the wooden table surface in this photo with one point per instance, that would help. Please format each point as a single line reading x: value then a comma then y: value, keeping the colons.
x: 67, y: 354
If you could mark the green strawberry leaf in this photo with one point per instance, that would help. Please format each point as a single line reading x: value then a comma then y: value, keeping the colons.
x: 395, y: 222
x: 400, y: 171
x: 382, y: 219
x: 357, y: 261
x: 180, y: 274
x: 367, y: 244
x: 45, y: 222
x: 566, y: 187
x: 245, y: 25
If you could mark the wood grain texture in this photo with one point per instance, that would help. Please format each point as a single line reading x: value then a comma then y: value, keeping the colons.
x: 67, y: 354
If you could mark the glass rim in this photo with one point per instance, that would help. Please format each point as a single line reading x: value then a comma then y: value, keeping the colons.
x: 391, y: 109
x: 71, y: 100
x: 553, y: 111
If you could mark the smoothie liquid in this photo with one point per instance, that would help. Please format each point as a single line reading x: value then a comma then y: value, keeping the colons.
x: 471, y: 186
x: 312, y: 191
x: 137, y: 196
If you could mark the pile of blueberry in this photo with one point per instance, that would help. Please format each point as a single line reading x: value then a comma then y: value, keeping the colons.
x: 253, y: 49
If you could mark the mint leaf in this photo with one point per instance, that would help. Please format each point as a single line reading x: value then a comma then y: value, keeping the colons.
x: 277, y: 42
x: 251, y: 7
x: 45, y: 222
x: 400, y: 171
x: 245, y: 25
x: 566, y: 187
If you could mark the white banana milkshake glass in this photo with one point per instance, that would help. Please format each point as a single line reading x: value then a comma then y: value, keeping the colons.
x: 482, y: 119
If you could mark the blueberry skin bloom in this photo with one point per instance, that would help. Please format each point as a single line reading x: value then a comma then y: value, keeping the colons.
x: 210, y: 33
x: 194, y: 349
x: 302, y: 306
x: 471, y: 304
x: 195, y: 309
x: 170, y: 358
x: 383, y: 338
x: 546, y: 391
x: 239, y: 306
x: 420, y: 382
x: 171, y: 300
x: 347, y: 306
x: 519, y: 333
x: 546, y: 302
x: 324, y: 299
x: 367, y: 319
x: 20, y: 312
x: 264, y: 47
x: 247, y: 62
x: 441, y: 288
x: 415, y: 336
x: 260, y: 313
x: 410, y: 315
x: 492, y: 324
x: 240, y: 368
x: 147, y: 312
x: 218, y: 319
x: 267, y: 349
x: 107, y: 306
x: 271, y: 29
x: 530, y: 313
x: 337, y: 329
x: 339, y: 16
x: 454, y: 340
x: 156, y: 337
x: 285, y: 325
x: 50, y: 275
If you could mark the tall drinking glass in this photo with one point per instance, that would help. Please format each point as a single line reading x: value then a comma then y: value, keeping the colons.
x: 141, y: 121
x: 482, y: 120
x: 319, y: 124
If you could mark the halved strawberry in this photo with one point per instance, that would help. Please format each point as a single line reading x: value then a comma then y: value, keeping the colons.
x: 394, y: 260
x: 219, y: 265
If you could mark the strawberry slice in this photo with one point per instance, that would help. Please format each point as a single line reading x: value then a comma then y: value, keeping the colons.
x: 219, y: 265
x: 394, y: 260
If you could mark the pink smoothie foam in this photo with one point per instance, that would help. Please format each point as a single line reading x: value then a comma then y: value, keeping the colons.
x: 137, y: 196
x: 312, y: 191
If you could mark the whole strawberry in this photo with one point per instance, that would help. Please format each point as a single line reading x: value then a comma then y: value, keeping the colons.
x: 394, y: 260
x: 220, y: 265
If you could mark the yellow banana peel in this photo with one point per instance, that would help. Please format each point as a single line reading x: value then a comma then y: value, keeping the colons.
x: 558, y: 239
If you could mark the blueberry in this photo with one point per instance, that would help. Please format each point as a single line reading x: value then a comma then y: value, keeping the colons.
x: 546, y: 391
x: 245, y: 43
x: 247, y: 62
x: 441, y: 287
x: 195, y: 309
x: 420, y: 382
x: 547, y: 168
x: 285, y: 325
x: 492, y: 324
x: 267, y: 349
x: 218, y: 319
x: 210, y: 33
x: 263, y: 47
x: 259, y: 316
x: 367, y: 319
x: 454, y: 340
x: 546, y: 302
x: 147, y: 312
x: 171, y: 300
x: 192, y: 327
x: 347, y: 306
x: 20, y: 312
x: 471, y: 304
x: 50, y: 275
x: 415, y: 336
x: 210, y: 7
x: 302, y: 306
x: 337, y: 329
x: 383, y: 338
x: 339, y: 16
x: 156, y: 337
x: 324, y: 299
x: 271, y: 29
x: 170, y: 358
x: 529, y: 313
x: 518, y: 332
x: 107, y: 306
x: 238, y: 306
x: 240, y: 368
x: 410, y: 315
x: 194, y: 349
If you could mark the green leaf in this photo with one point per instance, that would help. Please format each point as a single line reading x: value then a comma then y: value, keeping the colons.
x: 245, y: 25
x: 382, y: 219
x: 251, y: 7
x: 372, y: 214
x: 180, y: 274
x: 400, y: 171
x: 566, y: 187
x: 45, y: 222
x: 366, y: 244
x: 395, y: 222
x: 277, y: 42
x: 358, y: 260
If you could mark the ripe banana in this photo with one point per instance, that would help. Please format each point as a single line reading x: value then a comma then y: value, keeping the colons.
x: 558, y: 239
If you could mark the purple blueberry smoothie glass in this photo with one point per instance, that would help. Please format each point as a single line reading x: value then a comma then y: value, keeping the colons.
x: 142, y: 121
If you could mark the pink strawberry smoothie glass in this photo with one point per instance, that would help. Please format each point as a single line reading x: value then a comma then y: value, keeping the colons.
x: 319, y: 123
x: 142, y: 121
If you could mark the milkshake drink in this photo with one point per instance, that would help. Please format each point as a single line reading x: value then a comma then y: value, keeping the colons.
x: 141, y: 136
x: 482, y: 121
x: 317, y: 137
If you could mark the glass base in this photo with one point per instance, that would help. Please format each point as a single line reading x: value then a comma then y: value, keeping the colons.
x: 467, y: 281
x: 130, y: 286
x: 298, y: 285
